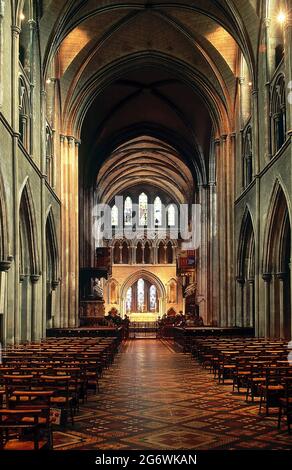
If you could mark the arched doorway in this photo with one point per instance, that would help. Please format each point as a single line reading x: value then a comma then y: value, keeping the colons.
x: 246, y: 272
x: 277, y: 267
x: 29, y: 271
x: 143, y: 294
x: 4, y: 255
x: 52, y: 268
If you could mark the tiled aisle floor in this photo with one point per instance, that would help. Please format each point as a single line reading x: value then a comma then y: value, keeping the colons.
x: 156, y: 398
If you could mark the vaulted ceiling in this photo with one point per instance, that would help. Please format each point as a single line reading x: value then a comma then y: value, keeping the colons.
x: 165, y: 69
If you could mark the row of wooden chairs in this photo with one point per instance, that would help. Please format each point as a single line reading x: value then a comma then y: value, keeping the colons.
x: 257, y: 365
x: 38, y: 379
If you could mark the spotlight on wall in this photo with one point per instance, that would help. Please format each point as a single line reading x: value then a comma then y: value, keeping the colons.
x: 250, y: 84
x: 22, y: 16
x: 282, y: 16
x: 48, y: 81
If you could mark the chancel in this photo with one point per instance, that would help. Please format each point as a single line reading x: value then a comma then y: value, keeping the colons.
x: 145, y: 225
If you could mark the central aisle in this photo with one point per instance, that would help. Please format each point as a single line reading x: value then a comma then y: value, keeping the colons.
x: 156, y: 398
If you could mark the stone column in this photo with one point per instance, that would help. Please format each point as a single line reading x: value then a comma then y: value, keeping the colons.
x: 55, y: 315
x: 281, y: 277
x: 165, y: 254
x: 64, y: 232
x: 288, y: 70
x: 223, y: 261
x: 134, y: 254
x: 75, y: 169
x: 32, y: 29
x: 70, y: 252
x: 4, y: 268
x: 267, y: 277
x: 14, y: 334
x: 143, y: 254
x: 251, y: 302
x: 231, y: 254
x: 241, y: 283
x: 36, y: 327
x: 72, y: 224
x: 121, y: 254
x: 2, y: 45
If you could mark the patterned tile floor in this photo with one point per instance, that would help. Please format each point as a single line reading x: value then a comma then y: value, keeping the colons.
x: 155, y: 397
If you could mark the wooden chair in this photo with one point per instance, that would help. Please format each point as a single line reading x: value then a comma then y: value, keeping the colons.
x: 15, y: 434
x: 16, y: 382
x: 255, y: 379
x: 62, y: 398
x: 227, y: 365
x: 39, y: 400
x: 285, y: 404
x: 271, y: 389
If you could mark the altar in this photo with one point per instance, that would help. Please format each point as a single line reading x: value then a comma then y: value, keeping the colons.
x: 143, y: 316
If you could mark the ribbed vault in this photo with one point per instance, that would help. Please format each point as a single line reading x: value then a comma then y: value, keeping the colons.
x: 146, y: 161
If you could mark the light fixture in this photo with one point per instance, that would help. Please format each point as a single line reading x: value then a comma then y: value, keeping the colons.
x: 281, y: 17
x: 48, y: 81
x: 249, y: 83
x: 22, y: 16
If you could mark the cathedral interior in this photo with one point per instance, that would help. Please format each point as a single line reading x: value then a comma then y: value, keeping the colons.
x: 145, y: 174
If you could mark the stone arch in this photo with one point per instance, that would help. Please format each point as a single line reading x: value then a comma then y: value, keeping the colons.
x: 276, y: 266
x: 4, y: 231
x: 278, y: 113
x: 29, y: 265
x: 246, y: 270
x: 152, y: 279
x: 28, y: 222
x: 52, y: 265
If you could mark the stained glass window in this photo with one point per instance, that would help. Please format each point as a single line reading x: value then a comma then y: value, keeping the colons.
x: 143, y: 209
x: 115, y: 216
x: 171, y: 215
x: 157, y: 211
x: 140, y: 295
x: 128, y: 211
x: 129, y: 300
x: 152, y: 298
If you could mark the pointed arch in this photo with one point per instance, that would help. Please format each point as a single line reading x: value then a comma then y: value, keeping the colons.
x: 4, y: 233
x: 245, y: 257
x: 52, y: 245
x: 28, y: 231
x: 276, y: 265
x: 278, y: 218
x: 149, y: 280
x: 246, y: 270
x: 52, y: 265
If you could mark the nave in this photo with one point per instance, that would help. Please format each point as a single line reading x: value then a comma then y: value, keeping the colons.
x: 156, y: 397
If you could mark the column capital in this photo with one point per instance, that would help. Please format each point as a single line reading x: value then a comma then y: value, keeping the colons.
x: 15, y: 30
x: 281, y: 276
x: 5, y: 264
x: 240, y: 280
x: 267, y: 277
x: 55, y: 284
x: 35, y: 278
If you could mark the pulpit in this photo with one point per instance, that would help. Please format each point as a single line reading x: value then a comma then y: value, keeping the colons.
x: 91, y: 312
x: 91, y: 306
